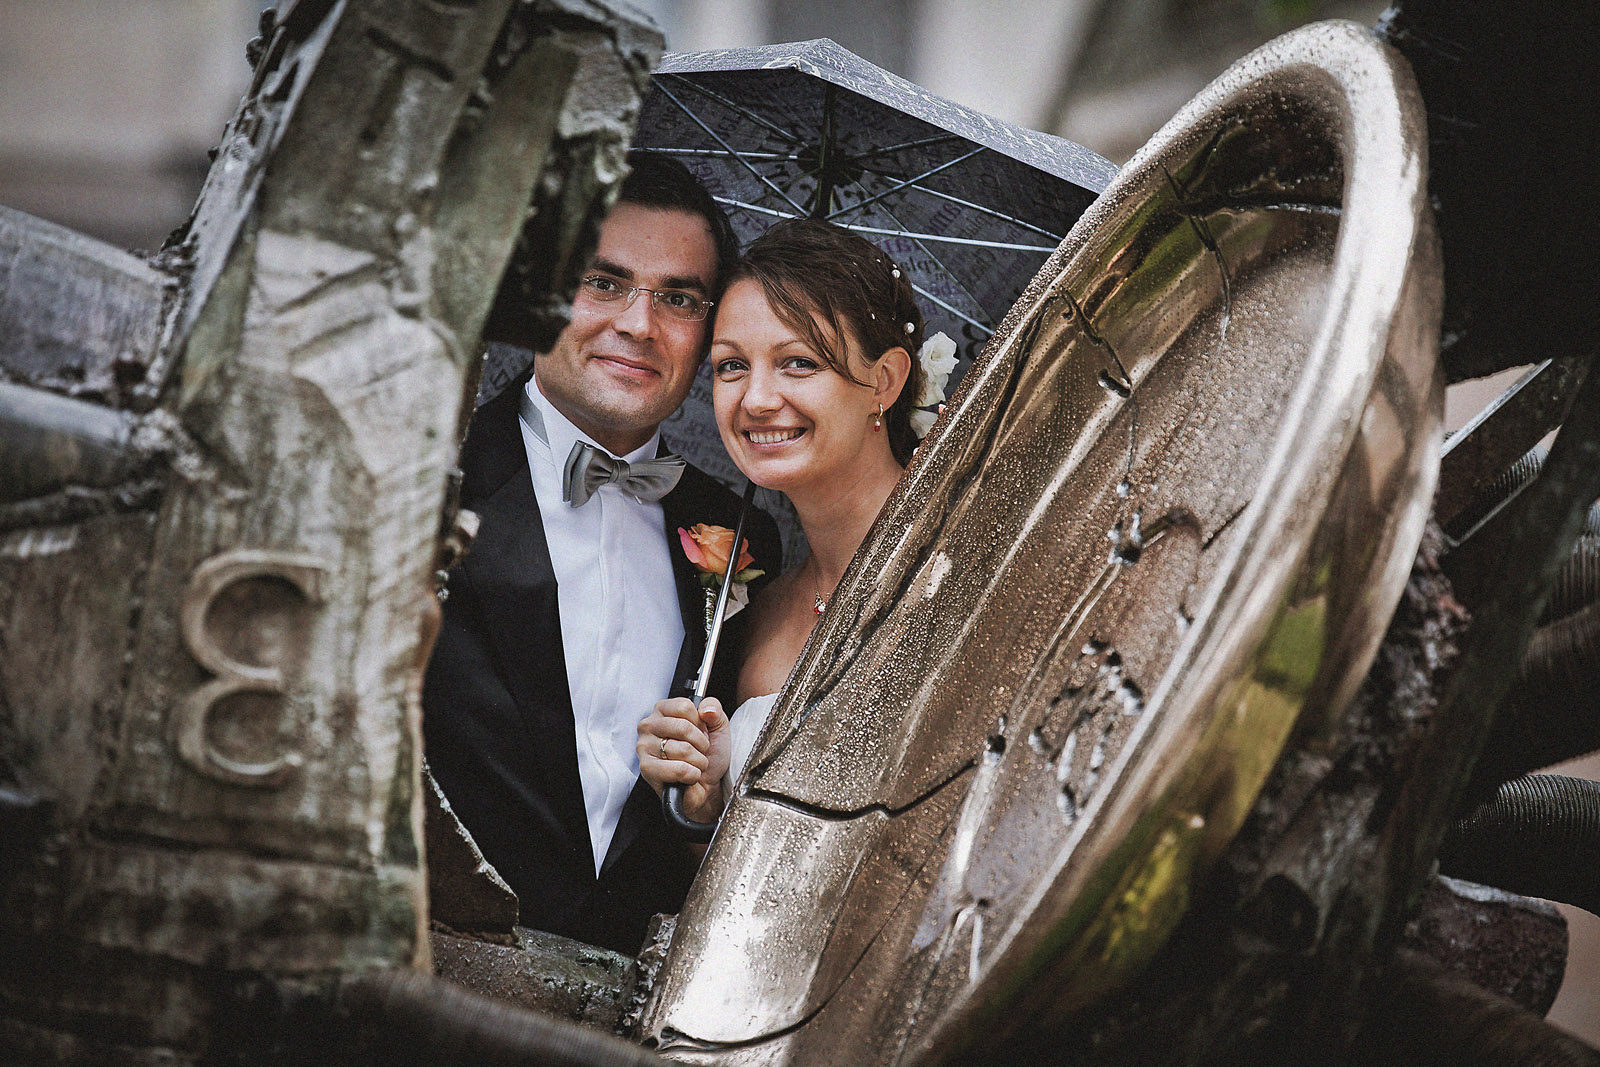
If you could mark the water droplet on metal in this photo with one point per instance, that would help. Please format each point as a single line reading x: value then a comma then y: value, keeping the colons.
x: 1116, y: 385
x: 1068, y: 803
x: 1127, y: 542
x: 1064, y: 761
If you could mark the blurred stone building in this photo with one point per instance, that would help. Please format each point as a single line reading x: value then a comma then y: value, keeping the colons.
x: 108, y: 107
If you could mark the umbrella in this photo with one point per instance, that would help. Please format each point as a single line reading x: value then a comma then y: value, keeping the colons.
x: 969, y: 206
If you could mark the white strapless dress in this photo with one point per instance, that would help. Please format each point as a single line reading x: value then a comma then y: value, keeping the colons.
x: 743, y: 729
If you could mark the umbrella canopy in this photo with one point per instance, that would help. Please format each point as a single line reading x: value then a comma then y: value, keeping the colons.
x: 970, y: 206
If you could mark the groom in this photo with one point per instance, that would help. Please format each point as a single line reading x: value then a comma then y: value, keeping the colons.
x: 576, y: 609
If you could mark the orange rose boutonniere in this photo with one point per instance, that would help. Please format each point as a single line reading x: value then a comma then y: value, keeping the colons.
x: 708, y: 548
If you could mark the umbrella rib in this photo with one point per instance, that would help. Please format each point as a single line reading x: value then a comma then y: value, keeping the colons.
x: 949, y: 274
x: 731, y: 202
x: 763, y: 179
x: 907, y: 145
x: 909, y: 181
x: 991, y: 212
x: 822, y: 198
x: 740, y: 109
x: 1007, y: 246
x: 988, y: 330
x: 717, y: 153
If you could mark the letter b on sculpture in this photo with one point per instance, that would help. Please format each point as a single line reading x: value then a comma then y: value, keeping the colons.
x: 246, y: 618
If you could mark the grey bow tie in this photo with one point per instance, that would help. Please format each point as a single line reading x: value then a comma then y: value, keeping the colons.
x: 588, y: 468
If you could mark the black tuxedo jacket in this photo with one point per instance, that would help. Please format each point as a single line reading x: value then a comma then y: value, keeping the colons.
x: 497, y: 716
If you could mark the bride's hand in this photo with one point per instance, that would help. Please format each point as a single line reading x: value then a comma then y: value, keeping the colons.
x: 678, y: 744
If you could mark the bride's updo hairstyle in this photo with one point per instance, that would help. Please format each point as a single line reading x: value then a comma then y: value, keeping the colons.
x: 812, y: 270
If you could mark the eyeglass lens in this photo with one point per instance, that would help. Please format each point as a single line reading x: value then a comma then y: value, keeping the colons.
x: 675, y: 303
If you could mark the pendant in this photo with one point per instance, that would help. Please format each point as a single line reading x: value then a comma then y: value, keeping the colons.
x: 821, y: 604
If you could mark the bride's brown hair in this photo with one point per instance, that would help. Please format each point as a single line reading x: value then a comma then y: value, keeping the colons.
x: 810, y: 270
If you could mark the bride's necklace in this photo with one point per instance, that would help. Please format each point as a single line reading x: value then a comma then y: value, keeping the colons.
x: 816, y: 593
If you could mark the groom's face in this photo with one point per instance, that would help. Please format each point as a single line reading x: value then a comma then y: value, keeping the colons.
x: 616, y: 371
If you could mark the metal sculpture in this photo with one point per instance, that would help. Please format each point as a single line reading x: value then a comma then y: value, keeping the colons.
x: 1209, y: 432
x: 222, y: 485
x: 218, y: 546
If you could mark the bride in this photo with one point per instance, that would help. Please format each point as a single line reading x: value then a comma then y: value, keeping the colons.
x: 815, y: 389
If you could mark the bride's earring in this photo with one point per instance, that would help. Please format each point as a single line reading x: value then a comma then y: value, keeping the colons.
x: 877, y: 419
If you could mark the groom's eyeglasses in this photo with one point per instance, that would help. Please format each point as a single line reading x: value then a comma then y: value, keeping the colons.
x: 680, y: 304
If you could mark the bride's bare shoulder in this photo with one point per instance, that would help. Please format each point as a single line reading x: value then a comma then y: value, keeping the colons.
x: 778, y: 591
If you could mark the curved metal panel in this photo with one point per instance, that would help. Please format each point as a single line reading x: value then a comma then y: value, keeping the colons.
x: 1167, y: 517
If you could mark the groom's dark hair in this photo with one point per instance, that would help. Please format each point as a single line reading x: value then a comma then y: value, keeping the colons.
x: 658, y: 181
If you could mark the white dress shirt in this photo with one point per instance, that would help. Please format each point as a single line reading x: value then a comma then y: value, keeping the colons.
x: 621, y: 629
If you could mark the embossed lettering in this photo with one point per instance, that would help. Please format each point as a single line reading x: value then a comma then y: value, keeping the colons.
x: 244, y: 618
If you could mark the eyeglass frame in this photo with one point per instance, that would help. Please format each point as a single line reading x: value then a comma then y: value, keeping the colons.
x: 627, y: 294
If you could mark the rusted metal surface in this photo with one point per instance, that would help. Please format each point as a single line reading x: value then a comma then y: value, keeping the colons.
x: 1503, y: 432
x: 1427, y: 1015
x: 77, y: 316
x: 1510, y: 945
x: 401, y: 1018
x: 1278, y: 958
x: 1169, y: 513
x: 652, y: 957
x: 1552, y: 711
x: 541, y: 972
x: 51, y: 442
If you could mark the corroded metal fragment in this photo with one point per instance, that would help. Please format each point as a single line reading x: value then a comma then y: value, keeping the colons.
x: 75, y: 313
x: 1513, y: 946
x: 465, y: 892
x: 543, y: 972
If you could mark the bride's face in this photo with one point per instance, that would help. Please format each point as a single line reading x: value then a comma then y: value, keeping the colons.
x: 787, y: 418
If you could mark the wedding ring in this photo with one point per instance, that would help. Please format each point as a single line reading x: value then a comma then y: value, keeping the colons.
x: 663, y: 753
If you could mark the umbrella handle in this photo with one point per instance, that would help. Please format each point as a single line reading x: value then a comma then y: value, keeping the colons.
x: 672, y: 810
x: 672, y: 796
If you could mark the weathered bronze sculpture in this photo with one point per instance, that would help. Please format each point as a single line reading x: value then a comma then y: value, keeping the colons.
x: 218, y: 551
x: 1167, y: 520
x: 1121, y: 594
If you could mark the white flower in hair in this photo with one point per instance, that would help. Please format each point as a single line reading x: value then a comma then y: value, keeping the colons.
x: 938, y: 358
